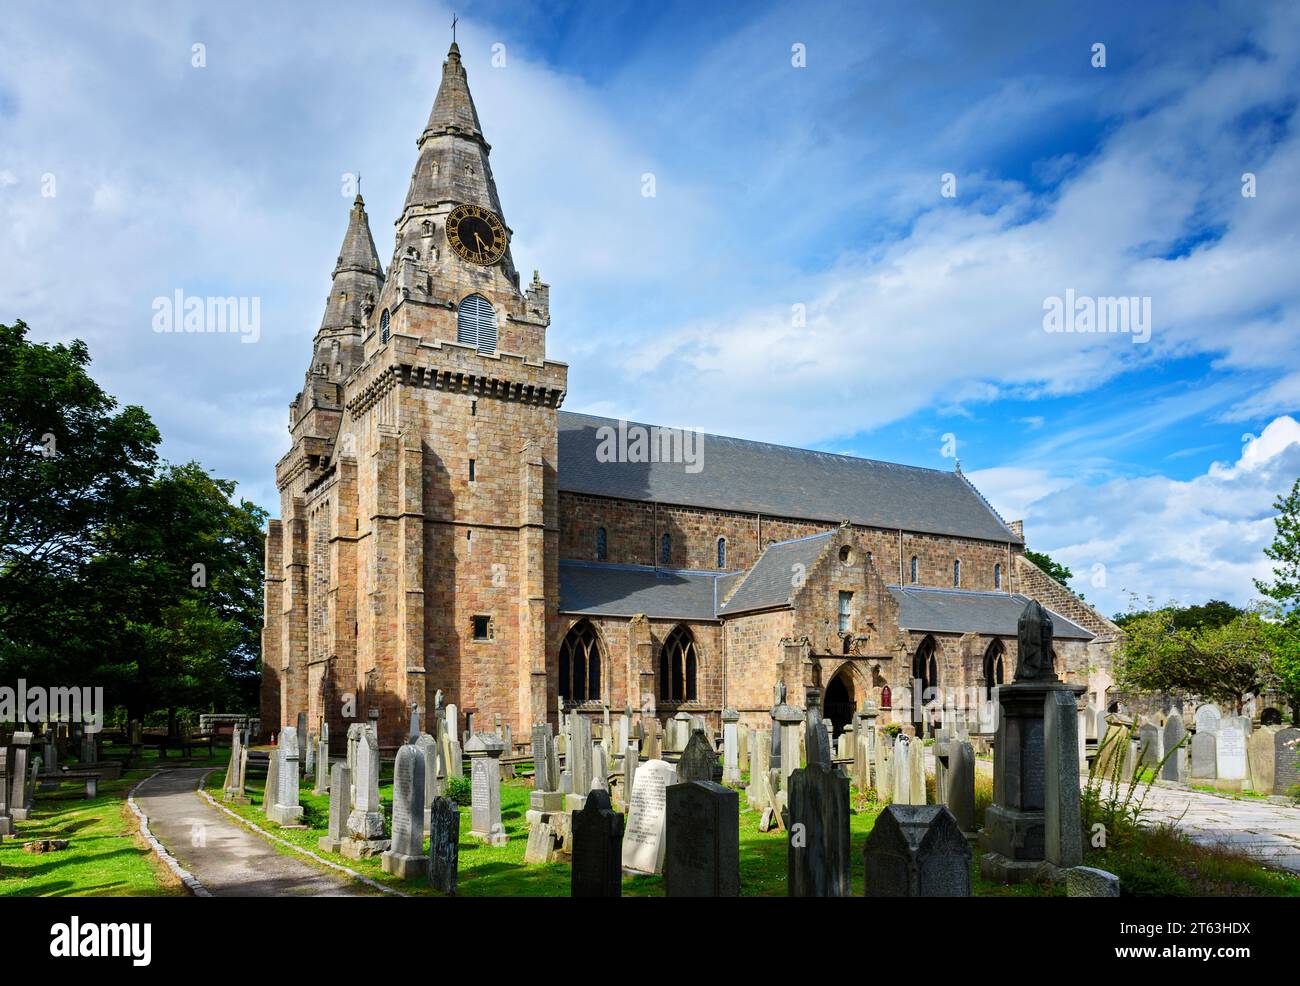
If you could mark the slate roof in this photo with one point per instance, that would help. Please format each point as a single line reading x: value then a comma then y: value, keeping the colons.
x: 964, y: 611
x: 771, y: 582
x: 597, y: 589
x: 755, y: 477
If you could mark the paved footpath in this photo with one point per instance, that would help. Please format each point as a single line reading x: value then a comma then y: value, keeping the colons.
x: 231, y: 861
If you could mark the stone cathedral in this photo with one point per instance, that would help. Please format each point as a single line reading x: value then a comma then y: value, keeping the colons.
x: 446, y: 527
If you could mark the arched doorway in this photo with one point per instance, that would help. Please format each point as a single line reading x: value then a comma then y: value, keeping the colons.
x: 838, y: 705
x: 925, y: 675
x: 994, y: 668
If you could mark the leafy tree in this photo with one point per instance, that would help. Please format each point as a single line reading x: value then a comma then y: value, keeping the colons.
x: 1215, y: 613
x: 1054, y: 569
x: 1285, y: 552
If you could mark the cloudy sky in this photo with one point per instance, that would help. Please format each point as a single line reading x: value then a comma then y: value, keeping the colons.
x: 852, y: 254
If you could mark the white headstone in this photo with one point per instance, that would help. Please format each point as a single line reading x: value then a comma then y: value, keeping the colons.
x: 643, y: 840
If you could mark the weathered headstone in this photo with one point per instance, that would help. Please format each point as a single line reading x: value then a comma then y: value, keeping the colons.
x: 631, y: 760
x: 916, y: 851
x: 1261, y: 751
x: 6, y: 822
x: 916, y: 772
x: 901, y: 770
x: 644, y: 845
x: 444, y: 845
x: 1175, y: 749
x: 699, y: 761
x: 817, y: 858
x: 20, y: 793
x: 578, y: 759
x: 323, y: 774
x: 1208, y: 719
x: 597, y: 849
x: 270, y: 793
x: 790, y: 722
x: 759, y: 763
x: 1062, y: 811
x: 542, y: 779
x: 1231, y: 749
x: 1149, y: 744
x: 702, y: 835
x: 405, y: 858
x: 484, y: 752
x: 366, y: 820
x: 1087, y: 881
x: 337, y: 826
x: 300, y: 740
x: 959, y: 781
x: 1205, y: 757
x: 232, y: 768
x: 1286, y: 761
x: 730, y: 747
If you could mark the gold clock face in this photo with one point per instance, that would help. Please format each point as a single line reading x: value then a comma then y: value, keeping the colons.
x: 476, y: 234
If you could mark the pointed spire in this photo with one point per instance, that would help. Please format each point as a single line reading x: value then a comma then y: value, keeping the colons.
x: 453, y: 108
x: 358, y: 275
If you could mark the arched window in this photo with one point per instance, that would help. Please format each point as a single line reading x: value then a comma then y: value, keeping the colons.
x: 383, y: 326
x: 665, y: 550
x: 601, y: 545
x: 476, y: 324
x: 994, y: 672
x: 956, y: 573
x: 722, y: 553
x: 580, y: 662
x: 678, y: 663
x: 997, y: 576
x: 914, y: 569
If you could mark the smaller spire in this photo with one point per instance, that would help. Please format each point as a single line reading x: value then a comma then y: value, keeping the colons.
x: 453, y: 107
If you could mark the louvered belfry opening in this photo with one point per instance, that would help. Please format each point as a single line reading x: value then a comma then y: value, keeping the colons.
x: 476, y: 324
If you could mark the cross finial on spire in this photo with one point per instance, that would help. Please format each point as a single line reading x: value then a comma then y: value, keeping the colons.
x: 454, y: 19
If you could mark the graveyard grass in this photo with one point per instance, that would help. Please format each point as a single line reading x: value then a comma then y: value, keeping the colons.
x: 106, y: 855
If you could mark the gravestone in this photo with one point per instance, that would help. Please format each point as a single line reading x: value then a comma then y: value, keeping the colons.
x: 759, y: 764
x: 20, y: 793
x: 337, y: 827
x: 958, y: 794
x: 1208, y: 718
x: 484, y: 752
x: 323, y: 774
x: 428, y: 749
x: 6, y: 823
x: 366, y: 820
x: 542, y: 778
x: 444, y: 845
x: 901, y: 770
x: 1260, y: 751
x: 599, y: 768
x: 631, y: 759
x: 789, y: 721
x: 1286, y: 761
x: 916, y: 772
x: 232, y: 769
x: 597, y: 849
x: 1087, y: 881
x: 299, y: 739
x: 643, y: 844
x: 1015, y: 824
x: 916, y: 851
x: 405, y: 858
x: 270, y: 793
x: 702, y: 835
x: 730, y: 747
x: 1149, y: 744
x: 816, y: 740
x: 818, y: 861
x: 1174, y: 739
x: 1062, y: 811
x: 699, y: 761
x: 1205, y: 757
x: 1231, y: 749
x: 578, y: 759
x: 884, y: 777
x: 542, y: 841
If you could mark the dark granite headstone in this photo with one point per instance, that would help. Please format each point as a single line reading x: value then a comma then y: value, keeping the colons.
x: 1175, y: 752
x: 916, y: 851
x: 1286, y: 770
x: 817, y: 862
x: 597, y: 869
x: 699, y: 762
x: 702, y: 858
x: 444, y: 845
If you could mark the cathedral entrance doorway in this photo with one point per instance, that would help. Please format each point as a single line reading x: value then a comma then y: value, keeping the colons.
x: 838, y: 704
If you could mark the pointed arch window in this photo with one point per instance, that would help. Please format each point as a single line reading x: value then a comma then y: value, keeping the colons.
x: 678, y: 666
x: 580, y: 664
x: 722, y: 553
x: 914, y: 569
x: 665, y: 549
x: 997, y: 576
x: 383, y: 326
x: 602, y: 551
x: 956, y: 573
x: 994, y: 670
x: 476, y: 324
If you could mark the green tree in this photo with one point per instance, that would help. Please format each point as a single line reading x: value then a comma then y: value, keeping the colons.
x: 1054, y: 569
x: 1214, y: 613
x: 1285, y: 552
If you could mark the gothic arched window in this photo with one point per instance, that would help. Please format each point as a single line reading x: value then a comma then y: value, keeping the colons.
x: 580, y: 662
x: 601, y: 544
x: 476, y: 324
x: 665, y: 550
x: 722, y: 553
x: 994, y: 672
x: 997, y: 576
x: 383, y: 326
x: 956, y: 573
x: 678, y: 664
x: 914, y: 569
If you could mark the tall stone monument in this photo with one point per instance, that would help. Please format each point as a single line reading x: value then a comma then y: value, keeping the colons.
x: 405, y: 858
x: 484, y: 752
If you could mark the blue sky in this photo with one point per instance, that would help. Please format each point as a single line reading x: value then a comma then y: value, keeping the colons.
x: 1148, y: 467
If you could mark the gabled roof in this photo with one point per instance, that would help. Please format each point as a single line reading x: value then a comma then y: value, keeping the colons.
x: 965, y: 611
x: 754, y: 477
x: 776, y: 576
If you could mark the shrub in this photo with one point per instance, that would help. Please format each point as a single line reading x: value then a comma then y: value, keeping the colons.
x: 457, y: 789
